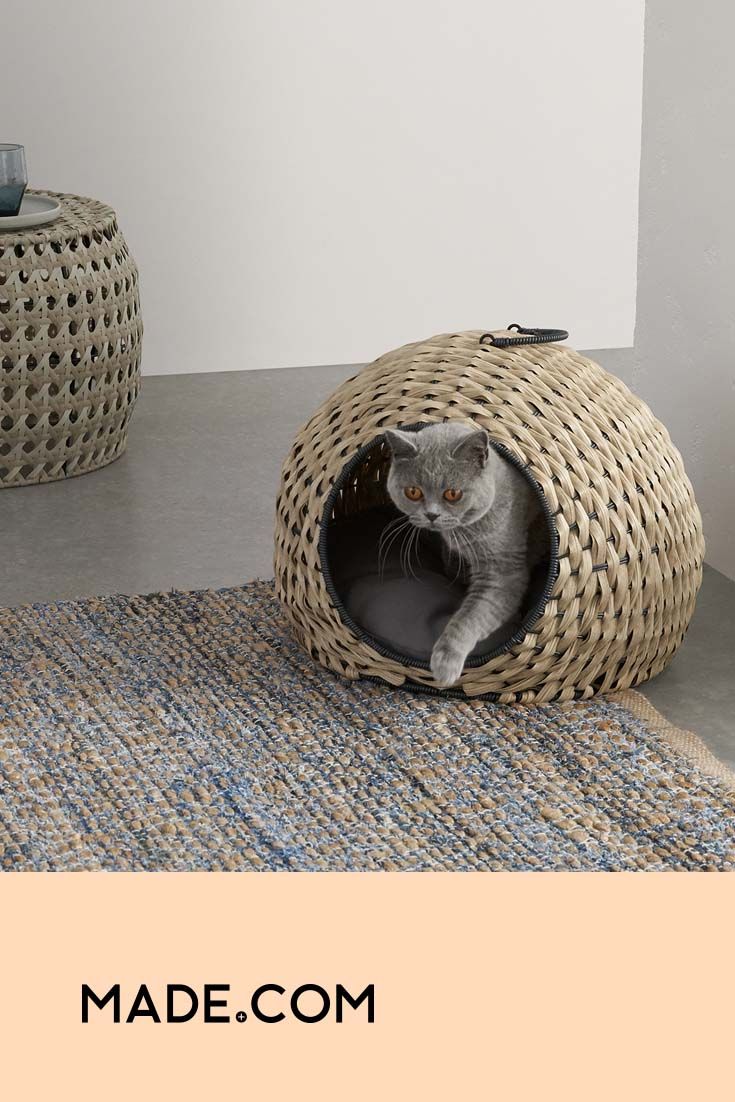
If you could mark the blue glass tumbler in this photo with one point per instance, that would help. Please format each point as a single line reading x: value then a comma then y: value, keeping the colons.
x: 13, y: 178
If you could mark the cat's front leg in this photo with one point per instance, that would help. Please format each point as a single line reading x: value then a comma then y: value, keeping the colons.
x: 488, y: 604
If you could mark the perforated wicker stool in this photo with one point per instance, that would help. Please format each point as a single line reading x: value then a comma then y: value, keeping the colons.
x: 625, y: 534
x: 70, y: 339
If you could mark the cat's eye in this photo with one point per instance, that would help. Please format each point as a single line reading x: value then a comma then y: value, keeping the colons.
x: 413, y: 493
x: 452, y: 496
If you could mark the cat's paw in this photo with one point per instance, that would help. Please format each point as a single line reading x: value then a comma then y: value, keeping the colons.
x: 447, y: 662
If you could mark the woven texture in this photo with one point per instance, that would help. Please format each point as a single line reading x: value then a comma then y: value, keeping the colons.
x: 629, y: 531
x: 190, y: 731
x: 70, y: 339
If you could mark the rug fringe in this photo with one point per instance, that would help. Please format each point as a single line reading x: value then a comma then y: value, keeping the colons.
x: 685, y: 742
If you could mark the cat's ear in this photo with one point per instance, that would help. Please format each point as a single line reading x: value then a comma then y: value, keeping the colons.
x: 474, y: 447
x: 402, y: 444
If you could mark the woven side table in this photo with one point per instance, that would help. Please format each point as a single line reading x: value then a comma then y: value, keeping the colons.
x: 70, y: 341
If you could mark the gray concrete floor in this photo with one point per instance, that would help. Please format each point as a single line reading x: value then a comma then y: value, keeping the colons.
x: 191, y: 506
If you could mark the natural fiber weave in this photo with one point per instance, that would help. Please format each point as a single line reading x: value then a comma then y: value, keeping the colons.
x: 70, y: 339
x: 630, y: 545
x: 190, y: 731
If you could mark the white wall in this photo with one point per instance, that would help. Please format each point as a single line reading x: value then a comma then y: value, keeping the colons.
x: 315, y: 181
x: 683, y: 364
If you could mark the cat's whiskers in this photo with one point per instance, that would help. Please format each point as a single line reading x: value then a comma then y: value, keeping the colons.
x: 417, y: 544
x: 455, y: 549
x: 413, y: 547
x: 388, y: 537
x: 402, y: 554
x: 400, y: 519
x: 406, y: 547
x: 385, y: 548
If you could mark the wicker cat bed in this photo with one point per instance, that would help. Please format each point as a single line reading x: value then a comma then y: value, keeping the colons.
x: 625, y: 535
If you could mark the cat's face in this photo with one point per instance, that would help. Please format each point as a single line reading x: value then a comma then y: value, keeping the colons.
x: 442, y: 476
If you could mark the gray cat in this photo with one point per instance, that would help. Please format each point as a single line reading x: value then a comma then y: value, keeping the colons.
x: 447, y: 478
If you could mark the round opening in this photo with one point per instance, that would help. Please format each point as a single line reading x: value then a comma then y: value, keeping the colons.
x: 394, y: 592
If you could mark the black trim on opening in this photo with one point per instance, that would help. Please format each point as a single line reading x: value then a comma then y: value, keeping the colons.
x: 420, y: 663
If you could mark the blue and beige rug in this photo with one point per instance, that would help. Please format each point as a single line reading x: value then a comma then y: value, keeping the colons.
x: 189, y: 731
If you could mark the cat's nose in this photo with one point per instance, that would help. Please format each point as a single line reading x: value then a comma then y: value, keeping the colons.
x: 432, y: 517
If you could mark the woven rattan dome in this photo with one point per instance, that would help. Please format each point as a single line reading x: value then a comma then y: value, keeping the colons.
x: 626, y: 535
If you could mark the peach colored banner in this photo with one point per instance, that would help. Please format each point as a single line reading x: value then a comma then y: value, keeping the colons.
x: 499, y: 986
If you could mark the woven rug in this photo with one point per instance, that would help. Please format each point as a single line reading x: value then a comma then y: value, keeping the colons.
x: 189, y: 731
